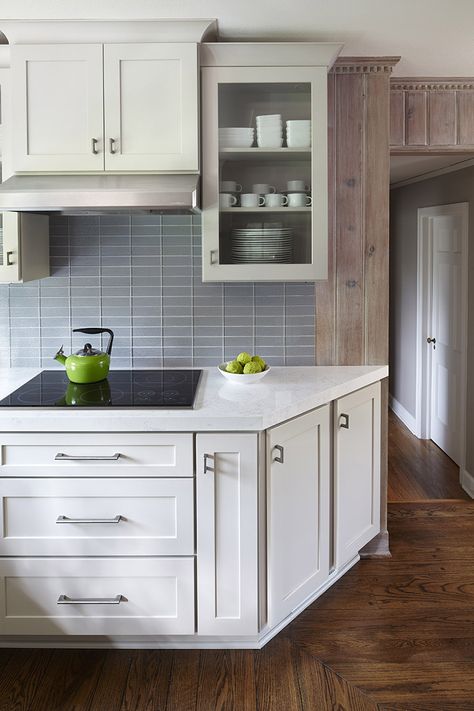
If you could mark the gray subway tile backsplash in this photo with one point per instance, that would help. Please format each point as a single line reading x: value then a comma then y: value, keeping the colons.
x: 141, y: 276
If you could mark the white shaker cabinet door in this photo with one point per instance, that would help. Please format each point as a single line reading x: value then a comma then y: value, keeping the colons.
x: 227, y: 534
x: 298, y: 523
x: 357, y: 471
x: 57, y: 108
x: 151, y: 107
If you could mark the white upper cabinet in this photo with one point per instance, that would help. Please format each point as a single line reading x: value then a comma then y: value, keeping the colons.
x: 57, y: 108
x: 24, y: 247
x: 114, y: 107
x: 264, y: 133
x: 151, y: 107
x: 356, y: 471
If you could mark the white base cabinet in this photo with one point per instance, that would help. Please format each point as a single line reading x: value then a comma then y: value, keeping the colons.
x: 97, y: 530
x: 356, y: 471
x: 298, y: 505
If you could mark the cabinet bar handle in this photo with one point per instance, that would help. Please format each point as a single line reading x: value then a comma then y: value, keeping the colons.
x: 207, y: 468
x: 65, y: 600
x: 94, y: 143
x: 66, y: 519
x: 112, y: 145
x: 10, y: 263
x: 344, y: 421
x: 87, y: 458
x: 213, y: 256
x: 281, y: 458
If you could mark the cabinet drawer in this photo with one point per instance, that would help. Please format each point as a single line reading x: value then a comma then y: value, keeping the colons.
x: 91, y: 454
x: 97, y: 517
x: 124, y: 596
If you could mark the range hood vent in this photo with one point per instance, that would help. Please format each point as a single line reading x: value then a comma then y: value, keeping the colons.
x: 79, y: 194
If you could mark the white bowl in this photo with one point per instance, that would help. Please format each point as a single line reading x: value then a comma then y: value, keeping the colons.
x: 244, y: 378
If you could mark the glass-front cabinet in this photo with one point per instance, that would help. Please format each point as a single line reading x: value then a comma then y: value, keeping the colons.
x: 264, y: 144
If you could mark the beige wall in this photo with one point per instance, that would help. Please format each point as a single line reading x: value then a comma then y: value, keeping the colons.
x: 452, y: 187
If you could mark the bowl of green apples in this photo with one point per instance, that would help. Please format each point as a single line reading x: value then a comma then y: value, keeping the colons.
x: 245, y: 369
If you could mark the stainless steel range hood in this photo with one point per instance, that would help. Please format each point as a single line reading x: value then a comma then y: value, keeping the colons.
x: 72, y: 194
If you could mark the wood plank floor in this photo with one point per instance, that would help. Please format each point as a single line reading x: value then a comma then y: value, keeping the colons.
x: 392, y: 635
x: 418, y: 469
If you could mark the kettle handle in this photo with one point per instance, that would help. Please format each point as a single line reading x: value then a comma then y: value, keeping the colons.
x: 98, y: 330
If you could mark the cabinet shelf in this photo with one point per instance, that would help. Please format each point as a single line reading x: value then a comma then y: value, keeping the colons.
x: 265, y: 153
x: 255, y: 210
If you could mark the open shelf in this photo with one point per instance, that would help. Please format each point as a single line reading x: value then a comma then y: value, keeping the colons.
x: 265, y: 153
x: 254, y: 210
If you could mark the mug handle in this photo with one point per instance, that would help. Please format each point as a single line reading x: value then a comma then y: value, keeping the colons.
x: 309, y: 201
x: 261, y: 201
x: 284, y: 201
x: 233, y: 200
x: 238, y: 188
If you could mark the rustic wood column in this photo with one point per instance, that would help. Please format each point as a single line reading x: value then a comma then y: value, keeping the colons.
x: 352, y: 305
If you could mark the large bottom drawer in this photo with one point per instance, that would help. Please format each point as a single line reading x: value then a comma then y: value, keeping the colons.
x: 97, y: 596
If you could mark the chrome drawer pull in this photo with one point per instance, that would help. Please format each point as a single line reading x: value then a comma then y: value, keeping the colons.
x: 65, y: 600
x: 66, y: 519
x: 87, y: 458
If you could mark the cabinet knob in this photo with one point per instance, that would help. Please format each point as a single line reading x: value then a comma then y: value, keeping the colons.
x: 281, y: 457
x: 344, y: 421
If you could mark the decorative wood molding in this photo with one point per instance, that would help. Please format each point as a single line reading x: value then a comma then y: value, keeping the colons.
x: 365, y: 65
x: 432, y: 84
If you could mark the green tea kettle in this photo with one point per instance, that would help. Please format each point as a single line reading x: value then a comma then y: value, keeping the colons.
x: 87, y: 365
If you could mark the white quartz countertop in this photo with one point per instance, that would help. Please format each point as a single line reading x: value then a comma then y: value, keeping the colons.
x: 220, y: 406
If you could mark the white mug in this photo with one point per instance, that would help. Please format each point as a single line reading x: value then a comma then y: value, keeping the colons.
x: 297, y: 186
x: 230, y: 186
x: 276, y: 200
x: 251, y: 200
x: 227, y: 200
x: 263, y: 188
x: 299, y: 200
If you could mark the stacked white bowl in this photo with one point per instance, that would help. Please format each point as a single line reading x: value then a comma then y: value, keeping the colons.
x: 269, y: 131
x: 298, y: 134
x: 236, y: 137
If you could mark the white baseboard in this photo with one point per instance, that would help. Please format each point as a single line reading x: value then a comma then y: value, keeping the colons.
x: 467, y: 482
x: 404, y: 415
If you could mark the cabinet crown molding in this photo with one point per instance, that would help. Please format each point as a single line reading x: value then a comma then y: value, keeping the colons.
x: 432, y: 84
x: 107, y: 31
x: 365, y: 65
x: 269, y: 54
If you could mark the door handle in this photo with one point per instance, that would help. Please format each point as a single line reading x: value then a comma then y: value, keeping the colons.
x: 87, y: 458
x: 66, y: 519
x: 433, y: 341
x: 345, y: 423
x: 112, y: 145
x: 10, y: 263
x: 281, y: 458
x: 213, y: 256
x: 207, y: 468
x: 65, y: 600
x: 94, y: 143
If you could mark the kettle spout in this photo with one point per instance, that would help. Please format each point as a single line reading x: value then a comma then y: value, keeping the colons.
x: 60, y: 357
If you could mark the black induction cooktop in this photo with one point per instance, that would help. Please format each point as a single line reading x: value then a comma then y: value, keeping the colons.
x: 122, y: 388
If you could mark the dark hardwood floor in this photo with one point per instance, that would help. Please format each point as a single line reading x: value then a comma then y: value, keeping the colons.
x: 391, y: 635
x: 418, y: 469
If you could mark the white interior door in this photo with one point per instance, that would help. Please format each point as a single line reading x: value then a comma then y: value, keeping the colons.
x: 446, y: 332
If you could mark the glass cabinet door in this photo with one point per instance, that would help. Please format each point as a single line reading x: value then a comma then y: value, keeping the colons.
x: 264, y: 173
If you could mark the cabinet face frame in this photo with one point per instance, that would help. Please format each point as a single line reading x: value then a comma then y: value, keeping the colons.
x: 212, y: 77
x: 187, y: 158
x: 22, y: 159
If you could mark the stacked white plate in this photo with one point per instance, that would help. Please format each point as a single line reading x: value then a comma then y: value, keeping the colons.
x: 298, y: 134
x: 269, y: 131
x: 236, y: 137
x: 262, y: 245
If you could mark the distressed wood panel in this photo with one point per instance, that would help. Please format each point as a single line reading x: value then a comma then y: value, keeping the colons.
x: 397, y: 118
x: 325, y: 290
x: 442, y: 118
x: 416, y: 118
x: 376, y: 223
x: 465, y: 112
x: 350, y: 116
